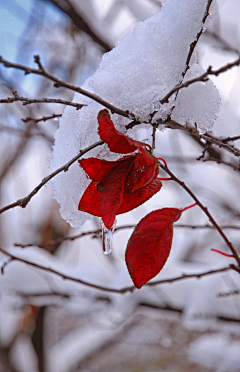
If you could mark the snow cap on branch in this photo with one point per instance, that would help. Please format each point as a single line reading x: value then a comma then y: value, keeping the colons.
x: 144, y: 66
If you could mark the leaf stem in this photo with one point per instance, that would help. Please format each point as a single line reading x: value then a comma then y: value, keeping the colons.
x: 190, y: 206
x: 205, y: 210
x: 224, y: 254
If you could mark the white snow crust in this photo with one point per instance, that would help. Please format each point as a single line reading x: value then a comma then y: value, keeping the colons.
x: 144, y: 66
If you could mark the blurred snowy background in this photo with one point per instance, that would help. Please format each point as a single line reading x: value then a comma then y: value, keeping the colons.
x: 50, y: 324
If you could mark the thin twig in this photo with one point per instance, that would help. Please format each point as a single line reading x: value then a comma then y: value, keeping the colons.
x: 194, y: 43
x: 113, y: 290
x: 97, y: 233
x: 193, y: 132
x: 51, y: 243
x: 43, y: 118
x: 202, y: 78
x: 29, y: 101
x: 23, y: 202
x: 61, y: 83
x: 234, y: 166
x: 228, y: 139
x: 206, y: 137
x: 231, y: 293
x: 205, y: 210
x: 154, y: 137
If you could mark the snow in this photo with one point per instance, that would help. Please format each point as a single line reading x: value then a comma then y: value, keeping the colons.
x: 216, y: 351
x: 144, y: 66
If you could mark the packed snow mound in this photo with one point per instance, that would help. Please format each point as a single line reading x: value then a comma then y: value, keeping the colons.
x: 144, y: 66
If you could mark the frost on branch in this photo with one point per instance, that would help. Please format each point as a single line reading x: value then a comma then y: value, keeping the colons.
x: 144, y: 66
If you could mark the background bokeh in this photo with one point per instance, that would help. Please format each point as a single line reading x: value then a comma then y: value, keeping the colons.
x: 51, y: 324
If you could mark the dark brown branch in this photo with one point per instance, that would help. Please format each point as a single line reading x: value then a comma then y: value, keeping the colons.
x: 154, y: 137
x: 51, y: 243
x: 205, y: 210
x: 231, y: 293
x: 80, y: 23
x: 188, y: 276
x: 202, y: 78
x: 23, y: 202
x: 29, y: 101
x: 228, y: 139
x: 234, y: 166
x: 61, y: 83
x: 43, y: 118
x: 193, y: 132
x: 112, y: 290
x: 206, y: 137
x: 194, y: 43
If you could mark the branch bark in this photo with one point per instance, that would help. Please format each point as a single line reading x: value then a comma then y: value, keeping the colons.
x: 61, y: 83
x: 113, y: 290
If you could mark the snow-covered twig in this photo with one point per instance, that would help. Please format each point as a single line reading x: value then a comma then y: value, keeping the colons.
x: 113, y: 290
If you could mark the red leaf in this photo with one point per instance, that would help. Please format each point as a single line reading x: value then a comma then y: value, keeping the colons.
x: 133, y: 200
x: 150, y: 244
x: 142, y: 173
x: 116, y: 141
x: 90, y: 200
x: 98, y: 169
x: 112, y: 194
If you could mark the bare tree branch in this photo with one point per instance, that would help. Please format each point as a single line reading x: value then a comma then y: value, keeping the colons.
x: 194, y: 43
x: 29, y: 101
x: 97, y: 233
x: 202, y: 78
x: 23, y: 202
x: 61, y: 83
x: 112, y: 290
x: 67, y: 7
x: 206, y: 137
x: 43, y: 118
x: 205, y: 210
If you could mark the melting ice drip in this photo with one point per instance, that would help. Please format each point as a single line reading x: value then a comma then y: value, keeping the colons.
x: 107, y: 237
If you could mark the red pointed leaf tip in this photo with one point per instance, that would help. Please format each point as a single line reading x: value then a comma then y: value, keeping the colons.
x: 116, y: 141
x: 150, y: 244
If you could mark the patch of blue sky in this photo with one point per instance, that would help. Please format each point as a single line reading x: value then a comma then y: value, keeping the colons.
x: 16, y: 18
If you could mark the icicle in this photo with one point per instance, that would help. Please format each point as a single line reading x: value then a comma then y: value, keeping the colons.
x: 107, y: 236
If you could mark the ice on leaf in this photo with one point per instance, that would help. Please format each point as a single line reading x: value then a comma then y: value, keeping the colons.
x: 144, y: 66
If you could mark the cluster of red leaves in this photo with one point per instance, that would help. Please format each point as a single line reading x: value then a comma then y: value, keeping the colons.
x: 122, y: 185
x: 118, y: 186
